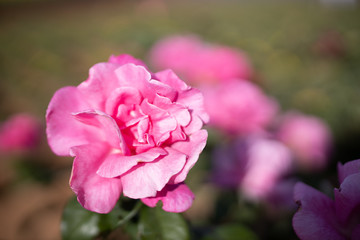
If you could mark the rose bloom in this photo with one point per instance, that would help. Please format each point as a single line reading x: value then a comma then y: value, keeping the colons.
x: 254, y: 164
x: 20, y: 132
x: 309, y: 137
x: 199, y: 62
x: 239, y: 107
x: 131, y: 132
x: 320, y: 217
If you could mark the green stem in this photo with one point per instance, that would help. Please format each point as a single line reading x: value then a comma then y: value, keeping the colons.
x: 131, y: 214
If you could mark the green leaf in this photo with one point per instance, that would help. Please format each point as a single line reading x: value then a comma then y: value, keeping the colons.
x: 156, y: 224
x: 81, y: 224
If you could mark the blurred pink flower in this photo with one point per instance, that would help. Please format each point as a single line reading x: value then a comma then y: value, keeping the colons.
x: 199, y: 62
x: 239, y: 107
x: 309, y: 137
x: 131, y: 132
x: 268, y: 161
x: 20, y: 132
x: 255, y: 164
x: 320, y: 217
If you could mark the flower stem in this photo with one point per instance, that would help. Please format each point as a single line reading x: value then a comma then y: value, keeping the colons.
x: 131, y: 214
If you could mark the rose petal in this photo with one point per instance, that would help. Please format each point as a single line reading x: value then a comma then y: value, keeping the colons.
x: 316, y: 217
x: 123, y: 95
x: 192, y: 148
x: 195, y: 124
x: 94, y: 193
x: 177, y: 135
x: 106, y: 126
x: 117, y: 164
x: 170, y: 78
x: 124, y: 59
x: 101, y: 82
x: 163, y: 89
x: 63, y: 130
x: 175, y: 198
x: 138, y: 77
x: 193, y: 99
x: 162, y: 122
x: 181, y: 113
x: 146, y: 179
x: 142, y: 129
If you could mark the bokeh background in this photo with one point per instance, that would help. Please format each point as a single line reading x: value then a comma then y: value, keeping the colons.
x: 305, y: 54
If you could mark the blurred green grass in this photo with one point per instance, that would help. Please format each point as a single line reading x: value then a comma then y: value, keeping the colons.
x: 48, y: 45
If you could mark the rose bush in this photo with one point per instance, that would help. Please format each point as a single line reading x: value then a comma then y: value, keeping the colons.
x: 132, y: 132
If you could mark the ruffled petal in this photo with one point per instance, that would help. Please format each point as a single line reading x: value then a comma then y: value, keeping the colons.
x: 164, y: 90
x: 146, y: 179
x: 138, y: 77
x: 175, y: 198
x: 124, y: 59
x: 116, y: 164
x: 177, y: 135
x: 161, y: 121
x: 106, y: 126
x: 195, y: 124
x: 63, y: 130
x: 316, y: 217
x: 123, y: 95
x: 193, y: 99
x: 170, y: 78
x: 101, y: 82
x: 192, y: 148
x: 179, y: 112
x: 94, y: 192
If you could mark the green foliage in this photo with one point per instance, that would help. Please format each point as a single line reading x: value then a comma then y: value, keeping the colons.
x: 156, y: 224
x: 81, y: 224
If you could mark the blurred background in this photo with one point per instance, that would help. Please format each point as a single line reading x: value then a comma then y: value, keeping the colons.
x: 304, y: 54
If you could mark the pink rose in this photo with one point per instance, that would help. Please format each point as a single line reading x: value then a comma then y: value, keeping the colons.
x: 238, y: 107
x: 309, y: 137
x: 320, y: 217
x: 255, y: 164
x: 131, y: 132
x: 199, y: 62
x: 18, y: 133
